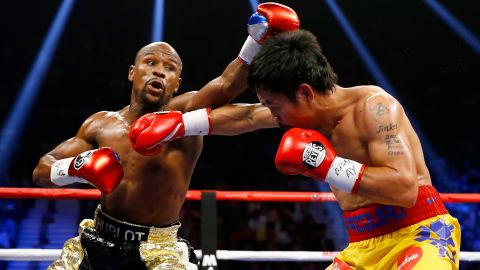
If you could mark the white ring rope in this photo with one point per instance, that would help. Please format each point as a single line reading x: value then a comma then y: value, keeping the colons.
x: 32, y: 254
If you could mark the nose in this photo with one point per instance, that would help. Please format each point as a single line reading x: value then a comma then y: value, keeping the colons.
x: 159, y: 71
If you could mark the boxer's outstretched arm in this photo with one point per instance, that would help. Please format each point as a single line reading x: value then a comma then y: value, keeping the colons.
x: 69, y: 148
x: 151, y: 130
x: 270, y: 18
x: 235, y: 119
x: 221, y: 90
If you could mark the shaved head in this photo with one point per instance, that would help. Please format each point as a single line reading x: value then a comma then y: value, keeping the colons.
x: 162, y: 48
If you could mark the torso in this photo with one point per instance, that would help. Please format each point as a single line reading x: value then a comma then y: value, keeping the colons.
x: 153, y: 189
x: 348, y: 140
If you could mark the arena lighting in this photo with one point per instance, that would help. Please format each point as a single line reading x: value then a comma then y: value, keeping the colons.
x: 14, y: 123
x: 382, y: 80
x: 357, y: 43
x: 157, y: 28
x: 455, y: 24
x: 253, y: 5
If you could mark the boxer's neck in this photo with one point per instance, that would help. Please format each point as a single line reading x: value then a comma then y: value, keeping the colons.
x: 136, y: 110
x: 330, y: 108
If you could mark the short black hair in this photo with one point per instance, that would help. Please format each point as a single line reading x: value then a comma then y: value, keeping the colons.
x: 289, y: 59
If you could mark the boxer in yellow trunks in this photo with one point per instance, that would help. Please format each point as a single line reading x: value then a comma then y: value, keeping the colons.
x: 358, y: 140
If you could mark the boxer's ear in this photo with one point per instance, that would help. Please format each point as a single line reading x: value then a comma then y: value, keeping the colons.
x: 131, y: 71
x: 305, y: 92
x: 179, y: 82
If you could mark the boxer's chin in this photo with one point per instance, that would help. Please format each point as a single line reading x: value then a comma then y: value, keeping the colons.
x: 153, y: 103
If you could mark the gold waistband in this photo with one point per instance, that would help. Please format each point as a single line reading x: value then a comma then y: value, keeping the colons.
x: 126, y: 231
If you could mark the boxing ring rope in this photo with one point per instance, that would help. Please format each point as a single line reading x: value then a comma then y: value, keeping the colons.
x: 237, y: 255
x: 195, y: 195
x: 36, y: 254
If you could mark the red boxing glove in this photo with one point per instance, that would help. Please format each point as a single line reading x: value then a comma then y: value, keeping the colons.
x: 151, y: 130
x: 99, y: 167
x: 280, y: 19
x: 270, y: 18
x: 309, y: 153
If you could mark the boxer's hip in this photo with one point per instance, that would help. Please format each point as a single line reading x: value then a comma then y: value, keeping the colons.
x: 377, y: 220
x: 112, y: 228
x: 111, y: 243
x: 433, y: 243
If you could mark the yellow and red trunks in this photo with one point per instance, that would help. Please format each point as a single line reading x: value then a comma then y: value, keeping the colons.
x: 391, y: 237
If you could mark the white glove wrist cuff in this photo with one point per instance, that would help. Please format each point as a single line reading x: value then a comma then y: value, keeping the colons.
x: 249, y: 50
x: 345, y: 174
x: 197, y: 122
x: 59, y: 173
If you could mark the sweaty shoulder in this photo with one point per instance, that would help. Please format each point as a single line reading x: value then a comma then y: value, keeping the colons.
x: 181, y: 102
x: 379, y: 111
x: 102, y: 116
x: 95, y: 122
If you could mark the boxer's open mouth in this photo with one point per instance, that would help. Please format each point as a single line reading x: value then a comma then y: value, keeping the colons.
x: 157, y: 85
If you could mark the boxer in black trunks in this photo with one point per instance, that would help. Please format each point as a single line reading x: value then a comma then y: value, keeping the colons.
x: 136, y: 225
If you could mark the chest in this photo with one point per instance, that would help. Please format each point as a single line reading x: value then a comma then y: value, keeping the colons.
x: 348, y: 141
x: 183, y: 151
x: 114, y: 135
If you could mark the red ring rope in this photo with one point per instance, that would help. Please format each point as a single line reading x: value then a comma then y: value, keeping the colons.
x: 258, y: 196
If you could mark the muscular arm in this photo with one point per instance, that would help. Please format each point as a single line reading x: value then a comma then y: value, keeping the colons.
x: 236, y: 119
x: 217, y: 92
x: 220, y: 91
x: 392, y: 179
x: 69, y: 148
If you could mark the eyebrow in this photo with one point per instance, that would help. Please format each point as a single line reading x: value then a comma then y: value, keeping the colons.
x: 170, y: 56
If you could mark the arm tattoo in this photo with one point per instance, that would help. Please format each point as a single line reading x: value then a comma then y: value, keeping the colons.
x: 394, y: 145
x: 385, y: 128
x: 380, y: 110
